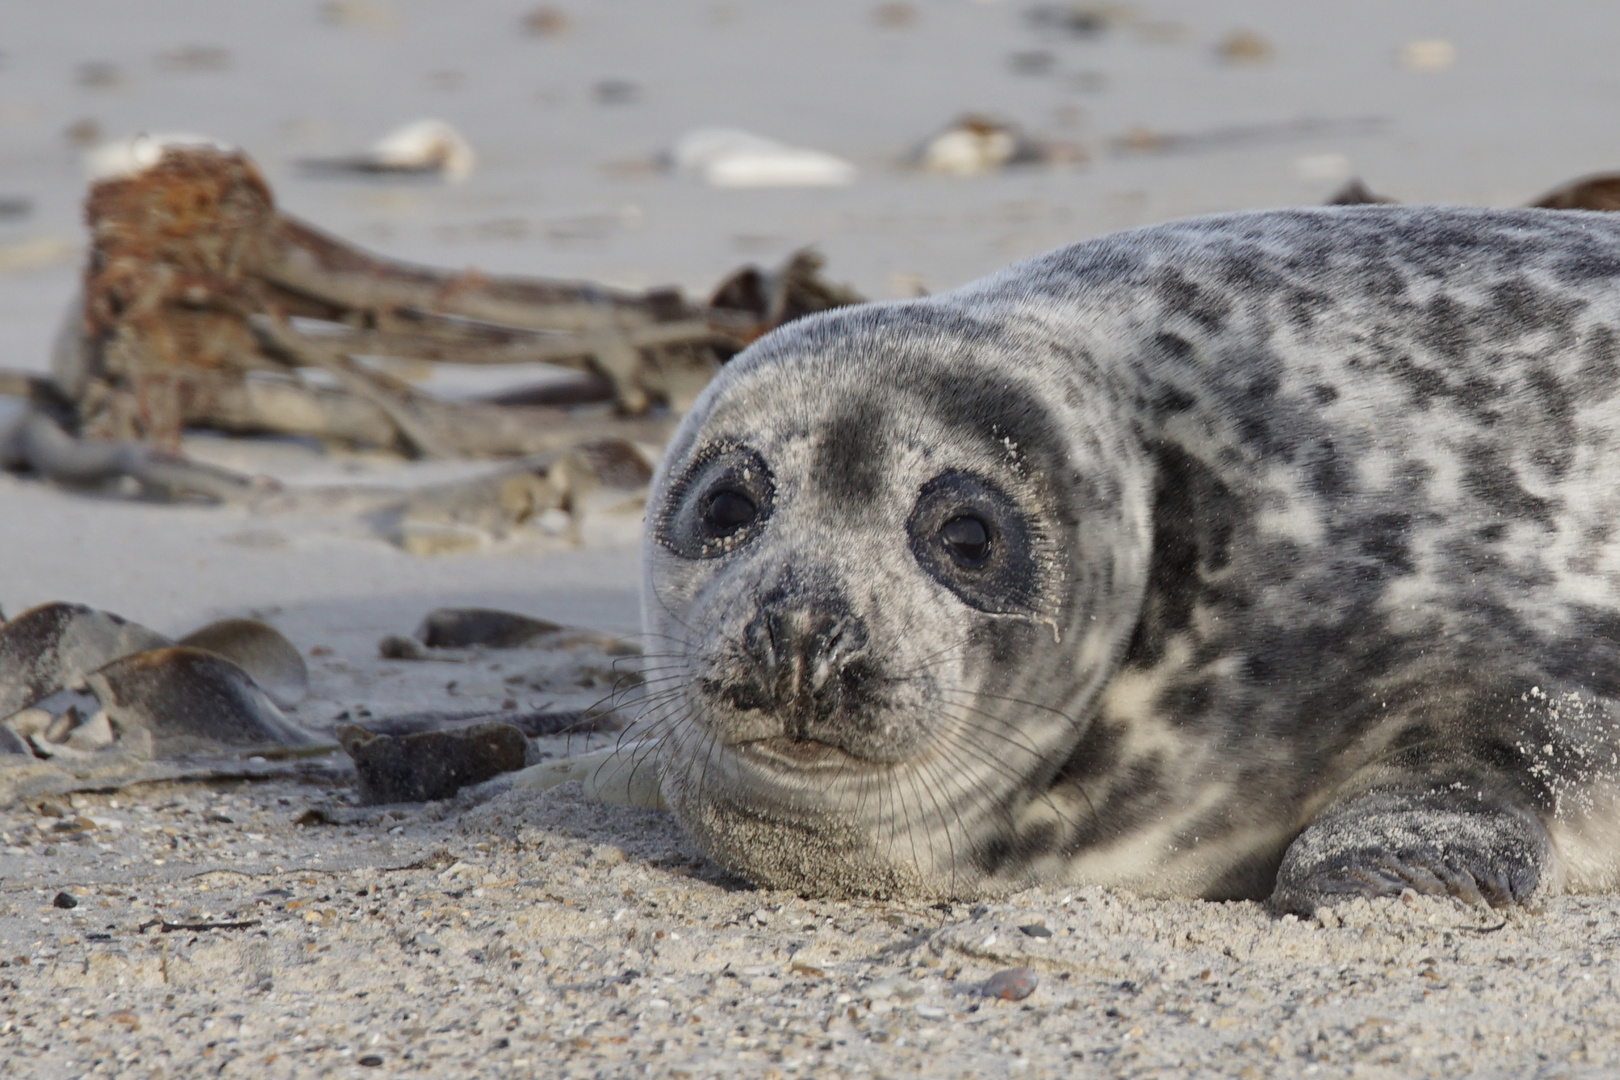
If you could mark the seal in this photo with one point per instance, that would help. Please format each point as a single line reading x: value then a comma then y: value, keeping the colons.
x: 1273, y: 553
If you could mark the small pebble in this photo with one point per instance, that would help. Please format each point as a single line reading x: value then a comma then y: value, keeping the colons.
x: 1433, y: 55
x: 83, y: 132
x: 1033, y: 62
x: 616, y: 92
x: 1014, y: 984
x: 399, y: 647
x: 1035, y: 930
x: 893, y: 15
x: 541, y: 22
x: 65, y: 900
x: 1244, y: 47
x: 370, y: 1061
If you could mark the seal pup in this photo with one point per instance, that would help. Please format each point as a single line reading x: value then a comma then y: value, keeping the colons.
x: 1266, y: 553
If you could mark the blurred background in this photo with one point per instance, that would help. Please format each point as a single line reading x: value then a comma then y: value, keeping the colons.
x: 579, y: 116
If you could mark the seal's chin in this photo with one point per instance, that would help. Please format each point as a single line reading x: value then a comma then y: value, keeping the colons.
x: 785, y: 752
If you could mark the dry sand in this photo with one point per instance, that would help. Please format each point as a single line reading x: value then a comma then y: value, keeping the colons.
x: 545, y: 935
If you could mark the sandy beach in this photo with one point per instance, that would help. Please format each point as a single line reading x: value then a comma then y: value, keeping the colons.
x: 277, y: 928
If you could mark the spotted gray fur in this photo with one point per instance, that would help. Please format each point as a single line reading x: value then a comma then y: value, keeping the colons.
x: 1320, y: 590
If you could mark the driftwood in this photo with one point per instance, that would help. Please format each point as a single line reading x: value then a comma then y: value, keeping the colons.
x: 1600, y: 192
x: 38, y: 444
x: 1597, y: 192
x: 205, y: 307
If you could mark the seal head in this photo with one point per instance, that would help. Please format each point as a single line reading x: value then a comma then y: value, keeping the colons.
x: 888, y: 579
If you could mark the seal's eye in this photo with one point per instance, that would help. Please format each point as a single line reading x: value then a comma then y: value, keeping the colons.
x: 967, y: 538
x: 973, y: 538
x: 729, y: 510
x: 720, y: 503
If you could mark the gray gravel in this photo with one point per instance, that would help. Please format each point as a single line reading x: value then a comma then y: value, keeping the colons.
x: 545, y: 933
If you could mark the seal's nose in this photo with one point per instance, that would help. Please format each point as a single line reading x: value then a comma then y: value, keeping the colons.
x: 799, y: 644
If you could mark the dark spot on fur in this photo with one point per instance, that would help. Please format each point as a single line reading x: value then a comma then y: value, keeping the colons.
x: 1412, y: 478
x: 849, y: 455
x: 1590, y: 653
x: 1586, y: 263
x: 1011, y: 851
x: 1173, y: 348
x: 1518, y: 306
x: 1493, y: 481
x: 1185, y: 701
x: 1141, y: 781
x: 1324, y: 394
x: 1424, y: 384
x: 980, y: 406
x: 1095, y: 756
x: 1599, y: 376
x: 1039, y: 838
x: 1384, y: 537
x: 1327, y: 473
x: 1170, y: 400
x: 1553, y: 447
x: 1181, y: 296
x: 995, y: 852
x: 1477, y: 393
x: 1246, y: 271
x: 1262, y: 388
x: 1384, y: 281
x: 1446, y: 328
x: 1195, y: 517
x: 1304, y: 306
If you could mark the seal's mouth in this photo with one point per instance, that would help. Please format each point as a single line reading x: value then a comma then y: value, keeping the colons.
x: 783, y: 751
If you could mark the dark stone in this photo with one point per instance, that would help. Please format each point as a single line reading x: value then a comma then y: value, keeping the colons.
x: 399, y: 647
x: 460, y: 628
x: 1356, y: 193
x: 1034, y: 930
x: 65, y: 900
x: 192, y: 702
x: 430, y: 764
x: 56, y: 645
x: 536, y: 723
x: 260, y: 650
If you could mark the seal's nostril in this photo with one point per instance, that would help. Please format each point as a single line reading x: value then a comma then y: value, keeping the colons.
x: 759, y: 641
x: 799, y: 647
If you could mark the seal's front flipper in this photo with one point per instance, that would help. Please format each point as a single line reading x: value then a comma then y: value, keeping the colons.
x: 1455, y: 842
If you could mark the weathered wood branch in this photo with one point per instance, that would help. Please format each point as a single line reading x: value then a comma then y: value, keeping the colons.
x: 39, y: 444
x: 195, y: 280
